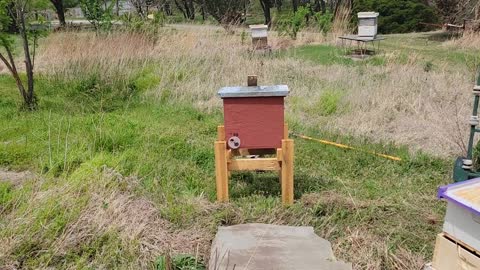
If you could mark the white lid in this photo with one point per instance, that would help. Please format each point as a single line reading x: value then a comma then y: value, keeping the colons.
x: 367, y: 14
x: 258, y: 26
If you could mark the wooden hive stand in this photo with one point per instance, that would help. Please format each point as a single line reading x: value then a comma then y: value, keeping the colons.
x: 228, y: 160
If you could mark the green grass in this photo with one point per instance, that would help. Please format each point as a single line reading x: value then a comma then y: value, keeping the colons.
x: 428, y: 47
x: 330, y: 55
x: 86, y: 124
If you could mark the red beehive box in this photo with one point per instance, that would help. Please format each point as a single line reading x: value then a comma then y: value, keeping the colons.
x: 254, y: 116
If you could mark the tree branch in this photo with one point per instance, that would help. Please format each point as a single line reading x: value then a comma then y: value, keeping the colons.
x: 5, y: 61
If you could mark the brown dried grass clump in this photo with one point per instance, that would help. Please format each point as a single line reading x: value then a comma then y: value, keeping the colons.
x: 96, y: 211
x: 341, y: 23
x: 469, y: 40
x: 139, y: 225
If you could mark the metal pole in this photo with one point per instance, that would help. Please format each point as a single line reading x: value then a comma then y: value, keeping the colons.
x: 473, y: 126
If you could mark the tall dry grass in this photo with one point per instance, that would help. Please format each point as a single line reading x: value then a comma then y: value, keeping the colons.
x: 341, y: 22
x: 469, y: 40
x: 395, y: 102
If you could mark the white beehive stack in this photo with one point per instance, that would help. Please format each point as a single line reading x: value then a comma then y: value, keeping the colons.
x: 458, y: 246
x: 367, y: 24
x: 259, y: 36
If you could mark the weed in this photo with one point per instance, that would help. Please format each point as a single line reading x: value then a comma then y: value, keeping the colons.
x: 5, y: 194
x: 324, y: 21
x: 243, y: 37
x: 428, y: 66
x: 328, y: 103
x: 179, y: 262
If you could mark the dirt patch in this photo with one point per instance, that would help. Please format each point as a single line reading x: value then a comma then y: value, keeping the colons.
x: 16, y: 178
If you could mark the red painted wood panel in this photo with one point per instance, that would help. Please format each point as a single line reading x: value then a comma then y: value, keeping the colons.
x: 257, y: 121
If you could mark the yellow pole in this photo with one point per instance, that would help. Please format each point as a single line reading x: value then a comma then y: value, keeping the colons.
x: 348, y: 147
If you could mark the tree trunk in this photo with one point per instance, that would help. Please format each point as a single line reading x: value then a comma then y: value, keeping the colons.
x: 181, y: 9
x: 167, y: 9
x: 13, y: 70
x: 477, y: 12
x: 266, y: 11
x: 295, y: 5
x: 189, y: 9
x: 316, y: 6
x: 60, y: 10
x: 323, y: 7
x: 278, y: 5
x: 31, y: 99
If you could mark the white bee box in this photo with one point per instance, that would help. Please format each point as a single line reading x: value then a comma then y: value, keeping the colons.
x: 462, y: 220
x: 367, y: 24
x: 259, y: 30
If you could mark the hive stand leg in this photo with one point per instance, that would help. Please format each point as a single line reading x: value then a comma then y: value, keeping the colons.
x: 221, y: 137
x: 221, y: 172
x: 286, y: 173
x: 279, y: 158
x: 220, y: 133
x: 285, y: 131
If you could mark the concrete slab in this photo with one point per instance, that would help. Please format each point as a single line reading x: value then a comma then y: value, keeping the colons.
x: 272, y: 247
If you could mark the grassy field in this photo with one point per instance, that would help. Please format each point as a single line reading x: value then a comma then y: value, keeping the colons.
x: 122, y: 148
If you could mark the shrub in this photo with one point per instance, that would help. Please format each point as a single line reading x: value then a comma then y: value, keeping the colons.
x: 324, y: 21
x: 149, y: 27
x: 97, y: 15
x: 293, y: 23
x: 399, y: 16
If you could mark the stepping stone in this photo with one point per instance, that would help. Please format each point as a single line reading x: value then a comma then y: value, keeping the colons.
x: 272, y: 247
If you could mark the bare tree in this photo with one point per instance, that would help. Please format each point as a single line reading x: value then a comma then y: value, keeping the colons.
x: 266, y: 6
x: 59, y: 8
x: 187, y: 8
x: 455, y: 11
x: 140, y: 6
x: 226, y: 12
x: 18, y: 9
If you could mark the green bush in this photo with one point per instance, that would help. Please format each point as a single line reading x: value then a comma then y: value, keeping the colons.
x: 399, y: 16
x: 324, y: 21
x: 149, y: 27
x: 292, y: 23
x: 98, y: 15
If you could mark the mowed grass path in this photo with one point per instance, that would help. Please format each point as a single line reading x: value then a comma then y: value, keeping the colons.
x: 378, y: 213
x: 419, y: 48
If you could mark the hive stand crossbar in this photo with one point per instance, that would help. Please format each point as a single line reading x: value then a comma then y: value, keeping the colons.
x: 226, y: 162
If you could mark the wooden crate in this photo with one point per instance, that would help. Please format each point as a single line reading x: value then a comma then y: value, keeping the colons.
x: 450, y: 255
